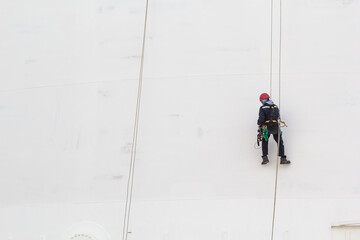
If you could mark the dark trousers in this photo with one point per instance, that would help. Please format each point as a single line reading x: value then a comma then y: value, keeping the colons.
x: 275, y: 134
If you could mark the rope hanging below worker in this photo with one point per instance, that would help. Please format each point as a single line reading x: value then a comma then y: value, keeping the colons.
x: 130, y: 182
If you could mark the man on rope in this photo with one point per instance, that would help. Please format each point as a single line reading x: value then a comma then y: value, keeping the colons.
x: 268, y: 122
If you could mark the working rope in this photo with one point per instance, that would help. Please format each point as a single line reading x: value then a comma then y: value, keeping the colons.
x: 279, y: 130
x: 130, y: 183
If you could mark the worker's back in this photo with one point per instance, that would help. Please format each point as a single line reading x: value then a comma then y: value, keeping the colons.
x: 268, y: 114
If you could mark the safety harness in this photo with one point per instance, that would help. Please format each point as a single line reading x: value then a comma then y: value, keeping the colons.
x: 263, y: 132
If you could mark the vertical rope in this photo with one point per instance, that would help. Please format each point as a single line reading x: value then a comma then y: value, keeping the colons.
x: 279, y: 130
x: 130, y: 183
x: 271, y: 43
x: 280, y: 46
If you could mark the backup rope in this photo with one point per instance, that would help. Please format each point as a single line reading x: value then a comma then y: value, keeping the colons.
x: 130, y: 182
x: 271, y: 43
x: 279, y: 128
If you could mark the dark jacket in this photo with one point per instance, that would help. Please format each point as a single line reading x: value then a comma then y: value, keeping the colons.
x: 268, y: 111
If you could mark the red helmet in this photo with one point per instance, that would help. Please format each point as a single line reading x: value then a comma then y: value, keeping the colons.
x: 264, y: 96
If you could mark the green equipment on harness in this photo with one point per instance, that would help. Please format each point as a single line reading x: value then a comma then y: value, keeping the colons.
x: 265, y: 134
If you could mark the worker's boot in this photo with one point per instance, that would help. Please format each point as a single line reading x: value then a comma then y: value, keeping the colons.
x: 265, y: 160
x: 283, y: 160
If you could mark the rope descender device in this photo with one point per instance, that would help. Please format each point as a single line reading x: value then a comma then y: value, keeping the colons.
x: 283, y: 123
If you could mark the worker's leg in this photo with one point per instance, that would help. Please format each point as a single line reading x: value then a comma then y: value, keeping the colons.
x: 264, y: 146
x: 281, y: 147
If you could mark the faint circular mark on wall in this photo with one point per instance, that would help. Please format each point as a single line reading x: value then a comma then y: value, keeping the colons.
x: 81, y: 237
x: 86, y: 231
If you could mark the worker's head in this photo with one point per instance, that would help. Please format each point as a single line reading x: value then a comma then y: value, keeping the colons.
x: 264, y: 97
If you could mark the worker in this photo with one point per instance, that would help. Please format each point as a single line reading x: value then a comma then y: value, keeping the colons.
x: 269, y: 116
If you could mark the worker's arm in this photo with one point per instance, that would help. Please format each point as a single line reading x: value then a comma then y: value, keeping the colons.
x: 261, y: 118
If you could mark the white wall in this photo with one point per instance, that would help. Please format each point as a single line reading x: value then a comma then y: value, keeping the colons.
x: 68, y: 76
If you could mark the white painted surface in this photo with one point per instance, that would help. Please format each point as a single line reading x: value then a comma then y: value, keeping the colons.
x: 345, y: 233
x: 68, y: 78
